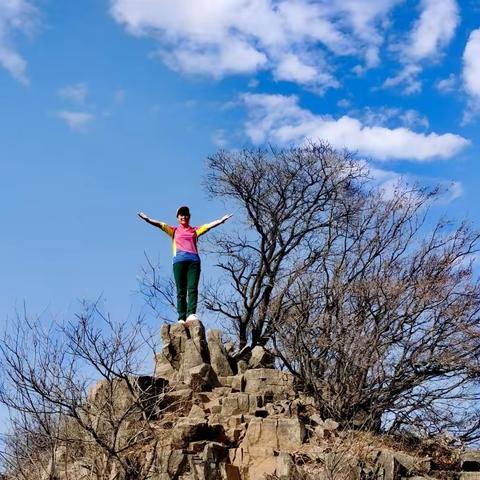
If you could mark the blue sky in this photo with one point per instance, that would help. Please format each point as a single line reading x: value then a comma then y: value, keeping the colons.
x: 110, y: 107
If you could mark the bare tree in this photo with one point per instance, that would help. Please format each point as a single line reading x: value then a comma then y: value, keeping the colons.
x: 287, y: 197
x: 371, y: 304
x: 67, y: 424
x: 385, y: 326
x: 31, y: 441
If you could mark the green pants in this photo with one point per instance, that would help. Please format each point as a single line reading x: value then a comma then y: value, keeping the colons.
x: 187, y: 276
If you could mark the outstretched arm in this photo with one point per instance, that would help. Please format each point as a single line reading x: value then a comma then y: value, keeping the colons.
x: 208, y: 226
x: 156, y: 223
x: 149, y: 220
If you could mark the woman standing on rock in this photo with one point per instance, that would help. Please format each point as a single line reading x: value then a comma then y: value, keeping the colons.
x: 186, y: 261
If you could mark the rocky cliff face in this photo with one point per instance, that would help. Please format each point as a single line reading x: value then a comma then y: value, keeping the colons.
x: 229, y: 418
x: 242, y: 419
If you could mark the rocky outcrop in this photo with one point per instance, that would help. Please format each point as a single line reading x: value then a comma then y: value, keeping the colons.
x: 183, y: 349
x: 219, y: 357
x: 247, y: 421
x: 227, y: 417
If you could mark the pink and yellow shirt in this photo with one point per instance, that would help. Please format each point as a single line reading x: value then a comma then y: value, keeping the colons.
x: 184, y: 241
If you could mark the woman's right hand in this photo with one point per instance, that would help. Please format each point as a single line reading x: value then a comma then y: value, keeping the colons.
x: 142, y: 216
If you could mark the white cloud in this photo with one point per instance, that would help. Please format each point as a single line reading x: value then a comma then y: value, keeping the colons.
x: 233, y: 56
x: 75, y: 120
x: 385, y: 180
x: 471, y: 64
x: 295, y: 16
x: 390, y: 188
x: 365, y: 17
x: 292, y: 68
x: 279, y: 119
x: 411, y: 118
x: 15, y: 16
x: 430, y: 34
x: 447, y: 85
x: 407, y: 77
x: 471, y: 76
x: 289, y: 38
x: 389, y: 181
x: 433, y: 30
x: 77, y: 92
x: 392, y: 116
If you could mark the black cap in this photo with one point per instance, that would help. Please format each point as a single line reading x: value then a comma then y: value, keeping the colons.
x: 183, y: 210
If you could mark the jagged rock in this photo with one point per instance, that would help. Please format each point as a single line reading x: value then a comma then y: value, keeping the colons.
x: 414, y: 463
x: 235, y: 420
x: 196, y: 412
x: 290, y: 432
x: 238, y: 383
x: 215, y: 452
x: 170, y: 463
x: 188, y: 429
x: 280, y: 465
x: 143, y: 394
x: 242, y: 366
x: 210, y: 401
x: 123, y: 392
x: 225, y: 381
x: 258, y: 462
x: 398, y: 464
x: 260, y: 357
x: 222, y: 391
x: 201, y: 377
x: 196, y: 349
x: 178, y: 400
x: 284, y: 408
x: 268, y: 381
x: 218, y: 354
x: 235, y: 435
x: 167, y: 363
x: 205, y: 464
x: 285, y: 434
x: 184, y: 348
x: 237, y: 403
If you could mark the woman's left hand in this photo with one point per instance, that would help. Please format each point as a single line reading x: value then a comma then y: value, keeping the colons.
x: 226, y: 217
